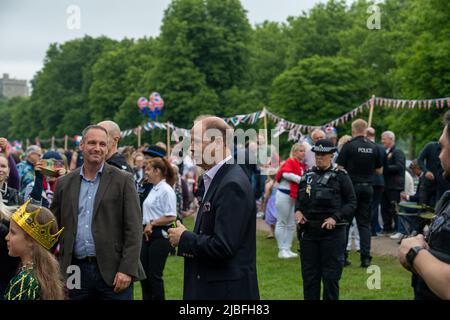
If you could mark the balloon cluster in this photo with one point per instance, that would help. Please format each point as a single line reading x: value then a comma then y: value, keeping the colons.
x: 152, y: 107
x: 77, y: 139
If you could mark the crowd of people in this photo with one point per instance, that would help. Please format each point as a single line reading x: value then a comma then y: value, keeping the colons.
x: 116, y: 213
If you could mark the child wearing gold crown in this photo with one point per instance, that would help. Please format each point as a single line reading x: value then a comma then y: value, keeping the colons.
x: 32, y: 233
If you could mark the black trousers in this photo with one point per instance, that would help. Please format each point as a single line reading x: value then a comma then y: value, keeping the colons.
x: 389, y: 203
x: 364, y: 195
x: 375, y: 208
x: 322, y: 259
x: 153, y: 258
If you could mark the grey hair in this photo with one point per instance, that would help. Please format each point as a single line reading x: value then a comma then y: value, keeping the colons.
x: 91, y: 127
x: 318, y: 131
x: 389, y: 134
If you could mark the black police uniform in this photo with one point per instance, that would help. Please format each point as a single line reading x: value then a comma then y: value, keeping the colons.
x: 323, y: 194
x: 378, y: 188
x: 360, y: 158
x: 439, y: 242
x: 117, y: 160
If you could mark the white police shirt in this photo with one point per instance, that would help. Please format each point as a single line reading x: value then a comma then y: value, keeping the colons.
x: 161, y: 201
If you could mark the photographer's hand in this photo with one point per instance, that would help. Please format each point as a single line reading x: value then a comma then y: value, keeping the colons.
x: 38, y: 166
x: 4, y: 146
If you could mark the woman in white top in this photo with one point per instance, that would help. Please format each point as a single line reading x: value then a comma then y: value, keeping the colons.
x: 159, y: 211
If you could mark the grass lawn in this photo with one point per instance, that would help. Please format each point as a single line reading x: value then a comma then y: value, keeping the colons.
x: 281, y: 279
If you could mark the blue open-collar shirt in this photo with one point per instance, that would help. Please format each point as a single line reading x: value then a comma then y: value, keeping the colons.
x: 84, y: 241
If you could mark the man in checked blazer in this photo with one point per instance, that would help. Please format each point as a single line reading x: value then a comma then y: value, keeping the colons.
x: 220, y: 253
x: 98, y: 206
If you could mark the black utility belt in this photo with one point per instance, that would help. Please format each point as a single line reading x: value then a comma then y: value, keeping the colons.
x: 318, y: 225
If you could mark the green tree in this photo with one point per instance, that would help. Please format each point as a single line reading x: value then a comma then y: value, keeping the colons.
x: 267, y: 58
x: 9, y: 108
x: 317, y: 32
x: 422, y: 69
x: 61, y: 88
x: 24, y: 123
x: 319, y: 89
x: 119, y: 80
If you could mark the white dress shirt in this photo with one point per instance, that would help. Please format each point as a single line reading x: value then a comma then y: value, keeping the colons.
x: 160, y: 202
x: 209, y: 175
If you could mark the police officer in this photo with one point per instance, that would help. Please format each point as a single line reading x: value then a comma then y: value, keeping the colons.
x: 360, y: 157
x: 429, y: 259
x: 325, y: 199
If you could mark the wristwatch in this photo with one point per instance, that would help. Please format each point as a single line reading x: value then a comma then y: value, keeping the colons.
x: 412, y: 253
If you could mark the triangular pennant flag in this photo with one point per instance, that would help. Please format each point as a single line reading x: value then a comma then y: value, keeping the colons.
x: 404, y: 103
x: 280, y: 128
x: 175, y: 136
x: 263, y: 113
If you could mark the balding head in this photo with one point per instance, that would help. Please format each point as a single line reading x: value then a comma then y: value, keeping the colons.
x: 211, y: 138
x: 113, y: 130
x: 370, y: 134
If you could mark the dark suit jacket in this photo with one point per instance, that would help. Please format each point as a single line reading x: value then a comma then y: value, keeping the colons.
x: 394, y: 170
x: 116, y: 222
x: 220, y: 254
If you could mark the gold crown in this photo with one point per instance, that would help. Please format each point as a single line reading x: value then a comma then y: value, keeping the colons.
x: 41, y: 233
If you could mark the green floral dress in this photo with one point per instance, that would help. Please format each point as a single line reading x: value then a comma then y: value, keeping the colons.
x: 23, y: 286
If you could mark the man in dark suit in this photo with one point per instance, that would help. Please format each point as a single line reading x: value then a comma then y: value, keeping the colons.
x: 220, y: 254
x: 98, y: 206
x: 394, y: 180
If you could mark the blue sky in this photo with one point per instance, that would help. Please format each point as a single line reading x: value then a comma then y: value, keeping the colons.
x: 27, y: 27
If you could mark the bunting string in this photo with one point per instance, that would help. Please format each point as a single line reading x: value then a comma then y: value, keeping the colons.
x: 295, y: 130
